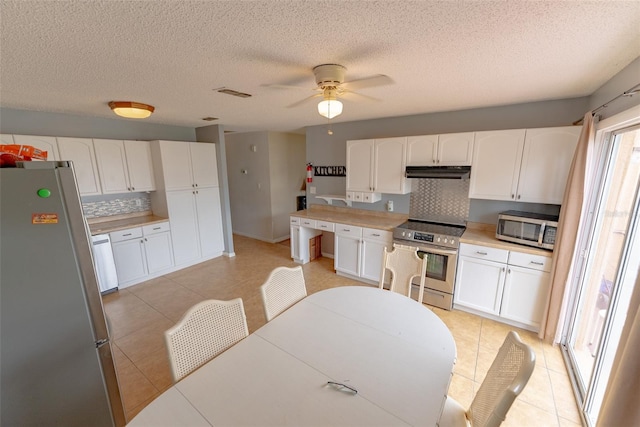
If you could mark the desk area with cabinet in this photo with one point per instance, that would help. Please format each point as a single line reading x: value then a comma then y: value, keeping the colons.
x: 359, y: 237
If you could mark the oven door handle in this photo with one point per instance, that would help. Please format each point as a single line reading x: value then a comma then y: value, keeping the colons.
x: 437, y: 251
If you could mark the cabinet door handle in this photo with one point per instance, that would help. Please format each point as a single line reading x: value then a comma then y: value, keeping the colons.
x: 518, y: 196
x: 145, y: 239
x: 508, y: 271
x: 481, y: 253
x: 128, y: 234
x: 133, y: 188
x: 157, y: 228
x: 346, y: 229
x: 502, y: 269
x: 513, y: 196
x: 537, y: 263
x: 375, y: 235
x: 196, y: 185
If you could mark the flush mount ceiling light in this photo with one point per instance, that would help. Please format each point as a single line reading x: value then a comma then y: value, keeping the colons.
x: 330, y: 107
x: 131, y: 110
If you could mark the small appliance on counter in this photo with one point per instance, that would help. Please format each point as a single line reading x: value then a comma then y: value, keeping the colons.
x: 527, y: 228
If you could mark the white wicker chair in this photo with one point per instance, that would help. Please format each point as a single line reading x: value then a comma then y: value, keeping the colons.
x: 507, y: 376
x: 283, y: 288
x: 206, y: 330
x: 404, y: 264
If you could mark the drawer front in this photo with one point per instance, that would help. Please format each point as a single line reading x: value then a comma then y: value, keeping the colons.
x: 325, y: 226
x: 294, y: 220
x: 128, y: 234
x: 484, y: 252
x: 311, y: 223
x: 376, y: 234
x: 348, y: 230
x: 159, y: 227
x: 536, y: 262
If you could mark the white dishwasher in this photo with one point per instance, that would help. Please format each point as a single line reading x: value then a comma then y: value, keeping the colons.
x: 104, y: 263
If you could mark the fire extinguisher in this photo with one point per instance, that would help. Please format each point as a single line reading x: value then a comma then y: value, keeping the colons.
x: 309, y: 173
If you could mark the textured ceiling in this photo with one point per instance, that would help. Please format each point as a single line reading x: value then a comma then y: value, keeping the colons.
x: 76, y: 56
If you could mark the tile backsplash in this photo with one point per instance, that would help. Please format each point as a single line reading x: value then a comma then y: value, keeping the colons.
x: 445, y: 200
x: 117, y: 206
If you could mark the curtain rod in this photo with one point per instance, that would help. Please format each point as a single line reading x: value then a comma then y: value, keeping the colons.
x: 633, y: 91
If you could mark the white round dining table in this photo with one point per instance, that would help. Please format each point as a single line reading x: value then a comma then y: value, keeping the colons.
x: 352, y: 356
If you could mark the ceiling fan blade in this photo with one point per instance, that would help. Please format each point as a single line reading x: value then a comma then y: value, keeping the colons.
x: 377, y: 80
x: 348, y: 94
x: 304, y: 101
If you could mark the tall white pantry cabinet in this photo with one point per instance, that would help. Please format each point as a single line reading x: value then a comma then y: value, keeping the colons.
x: 188, y: 193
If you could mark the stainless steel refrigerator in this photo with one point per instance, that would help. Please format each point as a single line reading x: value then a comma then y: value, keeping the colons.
x: 56, y: 364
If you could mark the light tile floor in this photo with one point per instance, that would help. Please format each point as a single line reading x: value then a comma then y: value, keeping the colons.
x: 140, y: 314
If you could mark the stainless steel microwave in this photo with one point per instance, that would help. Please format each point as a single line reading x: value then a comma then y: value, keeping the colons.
x: 527, y: 228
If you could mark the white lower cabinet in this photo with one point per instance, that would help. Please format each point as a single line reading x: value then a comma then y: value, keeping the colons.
x: 359, y: 251
x: 141, y: 252
x: 347, y: 249
x: 373, y: 243
x: 508, y: 286
x: 196, y: 224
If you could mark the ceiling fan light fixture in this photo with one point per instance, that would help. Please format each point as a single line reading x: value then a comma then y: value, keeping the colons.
x: 330, y: 108
x: 131, y: 110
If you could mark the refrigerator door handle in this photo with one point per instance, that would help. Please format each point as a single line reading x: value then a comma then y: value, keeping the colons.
x: 102, y: 342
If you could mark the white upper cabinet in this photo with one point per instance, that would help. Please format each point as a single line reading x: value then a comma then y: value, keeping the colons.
x: 188, y: 165
x: 204, y: 164
x: 422, y: 150
x: 389, y: 166
x: 44, y: 143
x: 455, y: 149
x: 546, y: 161
x: 452, y: 149
x: 81, y: 152
x: 140, y: 165
x: 360, y: 165
x: 112, y: 165
x: 523, y: 165
x: 377, y: 166
x: 496, y: 164
x: 124, y: 166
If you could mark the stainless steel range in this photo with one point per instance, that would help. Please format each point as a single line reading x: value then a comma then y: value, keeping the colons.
x: 440, y: 242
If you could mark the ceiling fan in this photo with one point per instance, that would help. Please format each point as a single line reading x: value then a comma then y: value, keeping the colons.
x: 331, y: 85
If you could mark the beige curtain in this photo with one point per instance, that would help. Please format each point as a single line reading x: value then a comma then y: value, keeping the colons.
x: 620, y: 406
x: 568, y: 225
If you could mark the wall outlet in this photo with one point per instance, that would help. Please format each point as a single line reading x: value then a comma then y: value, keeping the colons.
x: 390, y: 205
x: 312, y: 190
x: 138, y: 202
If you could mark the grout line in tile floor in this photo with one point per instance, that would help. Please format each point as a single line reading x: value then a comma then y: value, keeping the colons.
x: 139, y: 314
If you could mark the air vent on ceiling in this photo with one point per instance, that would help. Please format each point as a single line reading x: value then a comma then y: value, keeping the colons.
x: 209, y: 119
x: 234, y: 93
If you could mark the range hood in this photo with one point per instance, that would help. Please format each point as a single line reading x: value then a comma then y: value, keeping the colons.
x: 438, y: 172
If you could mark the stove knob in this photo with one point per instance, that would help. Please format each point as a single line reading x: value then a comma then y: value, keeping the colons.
x: 438, y: 240
x: 445, y: 240
x: 453, y: 242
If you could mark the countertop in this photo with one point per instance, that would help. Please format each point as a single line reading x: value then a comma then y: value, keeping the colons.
x: 485, y: 235
x: 359, y: 217
x: 107, y: 224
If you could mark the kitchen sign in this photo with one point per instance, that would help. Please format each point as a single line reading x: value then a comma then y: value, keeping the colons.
x: 330, y: 170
